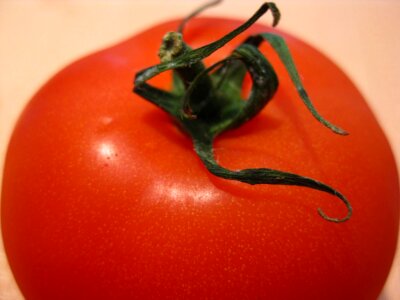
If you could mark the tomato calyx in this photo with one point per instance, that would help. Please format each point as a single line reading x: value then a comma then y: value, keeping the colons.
x: 207, y: 101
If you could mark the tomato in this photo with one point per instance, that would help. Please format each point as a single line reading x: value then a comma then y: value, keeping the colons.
x: 104, y: 198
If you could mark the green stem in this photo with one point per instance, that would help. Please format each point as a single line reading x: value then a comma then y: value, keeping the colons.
x: 207, y: 101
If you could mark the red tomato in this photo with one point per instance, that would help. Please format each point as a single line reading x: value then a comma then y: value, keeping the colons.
x: 104, y: 198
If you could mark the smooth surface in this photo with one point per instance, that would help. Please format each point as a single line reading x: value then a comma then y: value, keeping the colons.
x: 91, y: 25
x: 92, y: 209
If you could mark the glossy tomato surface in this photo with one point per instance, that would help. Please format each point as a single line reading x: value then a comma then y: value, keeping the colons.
x: 104, y: 198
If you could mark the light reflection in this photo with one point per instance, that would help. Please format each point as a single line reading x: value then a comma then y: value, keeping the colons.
x: 106, y: 150
x: 184, y: 193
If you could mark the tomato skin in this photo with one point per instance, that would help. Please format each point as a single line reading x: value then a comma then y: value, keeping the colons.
x: 104, y: 198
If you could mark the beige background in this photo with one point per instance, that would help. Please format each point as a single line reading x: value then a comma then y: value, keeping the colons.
x: 37, y: 38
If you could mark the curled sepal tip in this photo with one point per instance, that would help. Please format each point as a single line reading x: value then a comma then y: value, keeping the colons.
x: 344, y: 200
x: 281, y: 48
x: 267, y: 176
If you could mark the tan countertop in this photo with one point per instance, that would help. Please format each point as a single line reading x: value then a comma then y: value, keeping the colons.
x: 39, y: 37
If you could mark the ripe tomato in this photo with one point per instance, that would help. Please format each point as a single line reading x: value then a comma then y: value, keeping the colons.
x: 104, y: 198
